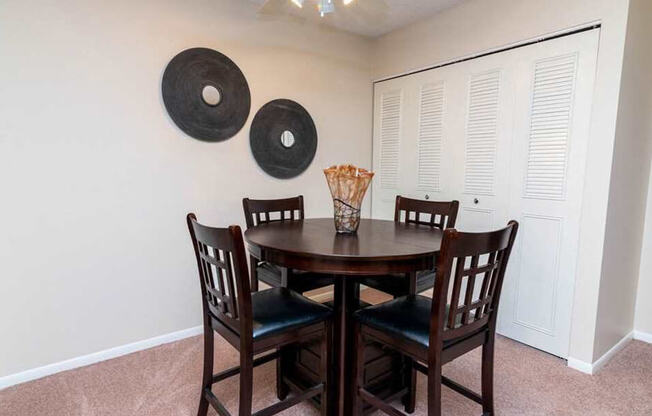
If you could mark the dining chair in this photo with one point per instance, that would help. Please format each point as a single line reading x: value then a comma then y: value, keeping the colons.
x: 433, y: 214
x: 433, y: 332
x: 265, y: 211
x: 253, y: 323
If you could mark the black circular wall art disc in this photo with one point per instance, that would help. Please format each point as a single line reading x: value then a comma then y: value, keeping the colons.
x: 206, y: 94
x: 283, y: 138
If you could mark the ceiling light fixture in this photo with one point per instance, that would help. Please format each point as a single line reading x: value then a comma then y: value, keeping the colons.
x: 323, y: 6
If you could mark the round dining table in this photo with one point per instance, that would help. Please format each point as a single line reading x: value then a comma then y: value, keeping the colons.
x: 388, y: 248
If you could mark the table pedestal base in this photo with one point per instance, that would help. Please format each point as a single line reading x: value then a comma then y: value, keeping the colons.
x: 386, y: 372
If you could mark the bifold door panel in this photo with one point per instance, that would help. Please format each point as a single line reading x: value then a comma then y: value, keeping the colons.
x: 506, y: 135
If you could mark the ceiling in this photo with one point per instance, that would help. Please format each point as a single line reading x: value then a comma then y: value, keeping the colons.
x: 371, y: 18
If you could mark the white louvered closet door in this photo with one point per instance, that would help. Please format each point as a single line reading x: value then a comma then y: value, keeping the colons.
x: 506, y: 135
x: 454, y: 128
x: 411, y: 139
x: 388, y: 144
x: 551, y: 138
x: 408, y: 120
x: 483, y: 136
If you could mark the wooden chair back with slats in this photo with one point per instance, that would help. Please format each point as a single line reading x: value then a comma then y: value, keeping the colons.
x: 469, y: 278
x: 474, y: 264
x: 433, y: 213
x: 262, y: 211
x: 224, y: 276
x: 228, y: 310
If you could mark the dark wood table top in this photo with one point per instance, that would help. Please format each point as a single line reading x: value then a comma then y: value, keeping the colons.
x: 376, y: 240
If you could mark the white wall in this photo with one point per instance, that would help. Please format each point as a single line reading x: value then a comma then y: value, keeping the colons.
x: 95, y: 178
x: 479, y: 25
x: 629, y: 185
x: 638, y: 68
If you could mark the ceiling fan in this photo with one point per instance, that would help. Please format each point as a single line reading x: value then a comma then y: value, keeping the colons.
x: 323, y: 7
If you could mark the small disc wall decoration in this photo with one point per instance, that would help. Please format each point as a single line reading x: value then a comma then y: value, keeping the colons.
x: 283, y: 138
x: 206, y: 94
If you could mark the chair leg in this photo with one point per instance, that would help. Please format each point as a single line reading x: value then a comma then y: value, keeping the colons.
x: 246, y: 383
x: 434, y: 389
x: 282, y: 389
x: 253, y: 265
x: 207, y: 379
x: 410, y: 398
x: 325, y: 369
x: 488, y: 376
x: 358, y: 370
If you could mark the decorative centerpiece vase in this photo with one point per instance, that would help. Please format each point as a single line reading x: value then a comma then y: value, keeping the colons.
x: 348, y: 185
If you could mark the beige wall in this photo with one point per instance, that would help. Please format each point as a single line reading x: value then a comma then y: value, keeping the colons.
x: 639, y: 36
x: 96, y: 179
x: 629, y: 185
x: 480, y: 25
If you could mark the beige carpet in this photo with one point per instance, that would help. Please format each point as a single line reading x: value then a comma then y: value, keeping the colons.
x: 165, y: 381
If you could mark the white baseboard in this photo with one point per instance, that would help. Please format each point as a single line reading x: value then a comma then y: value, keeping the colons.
x: 115, y: 352
x: 592, y: 368
x: 643, y: 336
x: 96, y: 357
x: 580, y: 365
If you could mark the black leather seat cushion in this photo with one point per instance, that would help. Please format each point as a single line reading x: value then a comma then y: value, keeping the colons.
x: 299, y: 281
x: 279, y: 309
x: 398, y: 284
x: 407, y: 317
